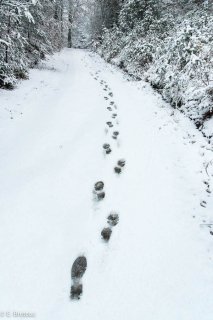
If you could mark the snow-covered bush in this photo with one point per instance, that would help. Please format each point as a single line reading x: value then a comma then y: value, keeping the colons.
x: 169, y: 44
x: 182, y: 68
x: 112, y: 43
x: 141, y: 29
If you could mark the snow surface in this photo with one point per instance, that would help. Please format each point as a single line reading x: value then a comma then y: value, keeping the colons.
x: 158, y: 264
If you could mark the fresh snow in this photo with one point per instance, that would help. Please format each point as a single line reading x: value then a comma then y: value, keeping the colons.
x: 158, y: 263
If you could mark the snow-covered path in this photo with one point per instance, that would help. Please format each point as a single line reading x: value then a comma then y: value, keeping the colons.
x: 158, y: 263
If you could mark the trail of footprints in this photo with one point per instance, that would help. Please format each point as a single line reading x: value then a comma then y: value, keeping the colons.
x: 80, y: 264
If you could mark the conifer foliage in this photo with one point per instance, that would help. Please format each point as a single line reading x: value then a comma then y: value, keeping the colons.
x: 29, y: 29
x: 168, y: 43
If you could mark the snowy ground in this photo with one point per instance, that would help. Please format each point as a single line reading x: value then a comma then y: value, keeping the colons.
x: 158, y: 264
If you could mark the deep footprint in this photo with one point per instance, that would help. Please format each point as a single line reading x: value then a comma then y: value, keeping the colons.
x: 121, y: 163
x: 113, y: 219
x: 99, y: 186
x: 115, y: 135
x: 117, y: 170
x: 203, y: 204
x: 109, y: 123
x: 107, y: 148
x: 100, y: 195
x: 98, y: 191
x: 106, y: 234
x: 78, y: 269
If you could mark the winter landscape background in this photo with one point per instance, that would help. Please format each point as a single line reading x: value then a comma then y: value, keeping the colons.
x: 106, y: 159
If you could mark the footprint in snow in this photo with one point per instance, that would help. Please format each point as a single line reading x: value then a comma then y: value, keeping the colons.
x: 78, y: 269
x: 109, y: 123
x: 206, y: 183
x: 107, y: 148
x: 98, y: 191
x: 117, y: 170
x: 115, y: 135
x: 108, y: 151
x: 113, y: 219
x: 99, y: 186
x: 208, y: 190
x: 203, y: 204
x: 120, y: 165
x: 106, y: 234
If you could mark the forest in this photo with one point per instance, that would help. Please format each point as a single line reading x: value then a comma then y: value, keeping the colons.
x: 167, y: 43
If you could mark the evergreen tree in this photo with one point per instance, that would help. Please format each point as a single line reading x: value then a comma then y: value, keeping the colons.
x: 29, y: 29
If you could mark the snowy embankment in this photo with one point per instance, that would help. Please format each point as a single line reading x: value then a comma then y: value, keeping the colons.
x: 158, y: 263
x: 172, y: 50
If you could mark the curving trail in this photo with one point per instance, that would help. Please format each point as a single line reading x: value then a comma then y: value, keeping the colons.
x: 158, y: 264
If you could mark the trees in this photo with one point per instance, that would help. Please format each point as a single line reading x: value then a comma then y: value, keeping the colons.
x: 82, y: 16
x: 77, y: 19
x: 12, y: 39
x: 109, y: 12
x: 134, y: 12
x: 45, y: 32
x: 29, y: 29
x: 104, y: 14
x: 168, y: 43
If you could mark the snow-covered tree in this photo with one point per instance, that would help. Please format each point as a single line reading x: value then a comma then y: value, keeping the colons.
x: 168, y: 43
x: 29, y: 29
x: 12, y: 40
